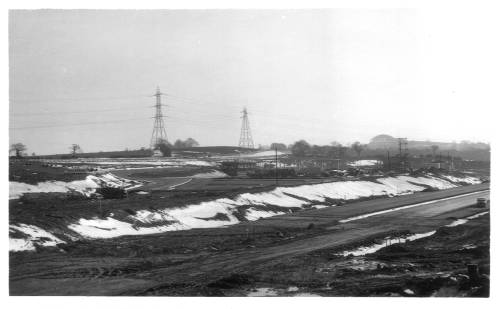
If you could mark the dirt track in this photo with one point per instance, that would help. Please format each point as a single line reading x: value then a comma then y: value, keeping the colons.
x: 68, y: 274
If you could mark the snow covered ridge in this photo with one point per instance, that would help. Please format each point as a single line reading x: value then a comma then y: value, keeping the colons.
x: 85, y: 187
x: 32, y: 235
x: 251, y: 206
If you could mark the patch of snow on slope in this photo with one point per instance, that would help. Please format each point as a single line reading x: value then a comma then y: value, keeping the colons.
x: 17, y: 189
x: 34, y: 235
x: 85, y: 187
x: 211, y: 174
x: 253, y: 214
x: 204, y: 215
x: 434, y: 182
x: 399, y: 186
x: 364, y: 163
x: 110, y: 227
x: 20, y: 244
x: 198, y: 216
x: 466, y: 179
x: 262, y: 292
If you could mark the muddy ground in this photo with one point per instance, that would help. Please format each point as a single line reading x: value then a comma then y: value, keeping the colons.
x: 212, y: 262
x: 432, y: 266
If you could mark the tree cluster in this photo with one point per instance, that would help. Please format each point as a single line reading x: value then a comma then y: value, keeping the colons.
x: 188, y: 143
x: 278, y: 146
x: 18, y: 149
x: 303, y: 149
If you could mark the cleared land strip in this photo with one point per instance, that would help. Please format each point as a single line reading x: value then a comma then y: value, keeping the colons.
x: 208, y: 267
x: 352, y: 209
x: 424, y: 218
x: 371, y: 214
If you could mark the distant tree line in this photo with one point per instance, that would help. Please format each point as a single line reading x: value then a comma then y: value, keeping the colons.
x: 166, y: 148
x: 188, y: 143
x: 303, y: 149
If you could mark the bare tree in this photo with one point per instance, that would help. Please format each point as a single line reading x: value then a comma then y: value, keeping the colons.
x: 358, y: 148
x: 75, y: 148
x: 18, y: 149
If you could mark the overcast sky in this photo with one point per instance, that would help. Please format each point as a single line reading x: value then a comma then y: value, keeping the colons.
x: 87, y: 77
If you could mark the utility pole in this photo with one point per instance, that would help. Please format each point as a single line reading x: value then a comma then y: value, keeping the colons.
x: 159, y: 134
x: 403, y: 152
x: 246, y: 140
x: 388, y: 161
x: 276, y: 165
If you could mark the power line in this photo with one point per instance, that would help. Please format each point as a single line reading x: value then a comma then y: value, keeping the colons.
x: 77, y: 124
x: 71, y: 99
x: 74, y: 112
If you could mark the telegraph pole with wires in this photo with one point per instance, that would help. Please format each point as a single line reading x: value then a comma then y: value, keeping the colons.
x: 159, y: 134
x: 403, y: 153
x: 276, y: 165
x: 246, y: 140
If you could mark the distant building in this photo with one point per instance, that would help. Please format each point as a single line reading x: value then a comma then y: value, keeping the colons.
x: 383, y: 141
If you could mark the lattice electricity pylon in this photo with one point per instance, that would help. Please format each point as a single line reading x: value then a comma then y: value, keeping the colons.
x: 159, y: 134
x: 246, y: 140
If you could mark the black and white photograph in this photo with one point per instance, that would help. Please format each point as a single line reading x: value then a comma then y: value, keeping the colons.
x: 250, y: 152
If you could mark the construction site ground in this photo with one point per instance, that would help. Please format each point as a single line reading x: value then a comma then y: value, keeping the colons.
x: 292, y: 254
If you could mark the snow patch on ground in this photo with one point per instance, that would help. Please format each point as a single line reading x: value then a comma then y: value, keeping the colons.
x: 364, y: 250
x: 394, y: 240
x: 360, y: 163
x: 85, y: 187
x: 431, y: 181
x: 466, y: 179
x: 252, y: 206
x: 110, y: 227
x: 261, y: 292
x: 306, y: 295
x: 267, y: 153
x: 34, y: 235
x: 124, y: 163
x: 465, y: 220
x: 212, y: 174
x: 17, y: 189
